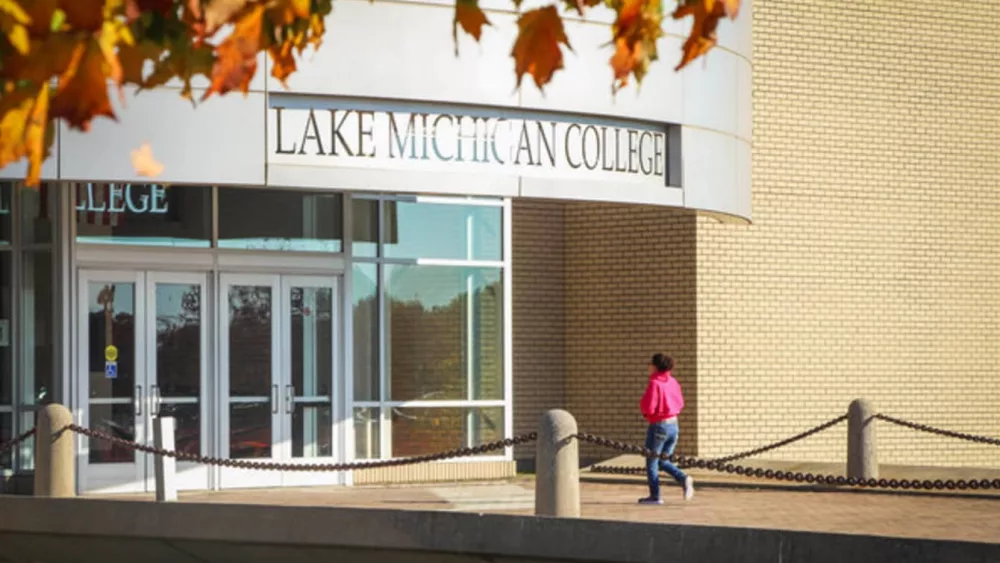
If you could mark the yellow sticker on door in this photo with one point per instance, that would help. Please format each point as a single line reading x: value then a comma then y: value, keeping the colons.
x: 111, y: 353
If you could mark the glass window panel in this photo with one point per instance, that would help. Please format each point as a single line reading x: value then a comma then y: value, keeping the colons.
x: 445, y: 231
x: 444, y: 337
x: 178, y: 339
x: 365, y: 288
x: 36, y: 328
x: 144, y: 214
x: 312, y: 430
x: 26, y: 454
x: 419, y: 431
x: 312, y: 341
x: 6, y: 204
x: 250, y: 341
x: 38, y: 209
x: 364, y: 224
x: 367, y: 433
x: 111, y: 320
x: 119, y: 421
x: 187, y: 425
x: 252, y: 219
x: 6, y: 435
x: 249, y: 430
x: 6, y: 331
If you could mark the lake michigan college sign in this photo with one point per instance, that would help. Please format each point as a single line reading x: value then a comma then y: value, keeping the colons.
x: 326, y: 137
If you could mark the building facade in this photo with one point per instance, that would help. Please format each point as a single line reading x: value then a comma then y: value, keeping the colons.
x: 326, y: 272
x: 869, y: 269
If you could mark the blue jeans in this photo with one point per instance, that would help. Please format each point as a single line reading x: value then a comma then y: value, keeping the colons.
x: 661, y: 438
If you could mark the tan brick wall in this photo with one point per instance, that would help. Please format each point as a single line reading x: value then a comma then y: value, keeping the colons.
x: 539, y: 320
x: 630, y: 292
x: 871, y: 267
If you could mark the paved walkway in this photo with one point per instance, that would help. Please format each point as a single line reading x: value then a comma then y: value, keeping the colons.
x: 914, y: 516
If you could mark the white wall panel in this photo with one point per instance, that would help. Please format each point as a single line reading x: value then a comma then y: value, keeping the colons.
x: 400, y: 54
x: 221, y: 141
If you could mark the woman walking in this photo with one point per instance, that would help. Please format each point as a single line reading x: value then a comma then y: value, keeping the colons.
x: 660, y: 405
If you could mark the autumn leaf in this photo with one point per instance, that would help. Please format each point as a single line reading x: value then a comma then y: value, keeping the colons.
x: 144, y: 163
x: 706, y: 15
x: 83, y: 15
x: 219, y: 12
x: 536, y: 50
x: 14, y: 25
x: 24, y: 128
x: 578, y: 5
x: 236, y: 57
x: 637, y: 28
x: 282, y: 61
x: 82, y: 93
x: 471, y: 17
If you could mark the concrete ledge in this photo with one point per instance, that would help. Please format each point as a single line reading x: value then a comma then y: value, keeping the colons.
x: 98, y: 531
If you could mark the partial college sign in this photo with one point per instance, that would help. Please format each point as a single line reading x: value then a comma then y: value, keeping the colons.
x: 327, y: 137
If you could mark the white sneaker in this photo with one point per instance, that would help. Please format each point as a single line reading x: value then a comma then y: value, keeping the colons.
x: 688, y: 488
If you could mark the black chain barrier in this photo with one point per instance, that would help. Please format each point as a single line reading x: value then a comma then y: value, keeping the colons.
x: 722, y: 465
x: 4, y: 448
x: 782, y: 443
x: 939, y: 431
x: 266, y: 465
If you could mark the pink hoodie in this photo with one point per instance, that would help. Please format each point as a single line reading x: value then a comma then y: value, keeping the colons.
x: 663, y: 398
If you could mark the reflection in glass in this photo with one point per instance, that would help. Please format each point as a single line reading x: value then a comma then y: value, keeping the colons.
x: 6, y: 314
x: 312, y: 341
x: 419, y: 431
x: 118, y: 420
x: 367, y: 433
x: 249, y: 430
x: 444, y: 332
x: 178, y: 339
x: 312, y: 426
x: 253, y: 219
x: 364, y: 218
x: 26, y: 457
x: 365, y: 288
x: 187, y: 430
x: 6, y: 435
x: 37, y: 208
x: 111, y: 312
x: 144, y: 214
x: 36, y: 328
x: 437, y: 230
x: 6, y: 204
x: 250, y: 341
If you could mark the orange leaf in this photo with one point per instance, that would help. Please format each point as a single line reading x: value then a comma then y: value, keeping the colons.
x: 471, y: 17
x: 82, y: 93
x: 536, y: 50
x: 637, y: 28
x: 24, y: 128
x: 40, y: 12
x: 706, y: 15
x: 220, y: 12
x: 144, y: 163
x: 236, y: 57
x: 83, y: 15
x: 282, y: 61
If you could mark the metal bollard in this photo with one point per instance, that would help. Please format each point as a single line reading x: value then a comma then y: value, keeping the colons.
x: 55, y: 466
x: 165, y: 467
x: 557, y: 479
x: 862, y: 448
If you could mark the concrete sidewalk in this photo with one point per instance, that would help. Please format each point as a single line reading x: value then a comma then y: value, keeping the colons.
x: 905, y: 516
x: 708, y: 478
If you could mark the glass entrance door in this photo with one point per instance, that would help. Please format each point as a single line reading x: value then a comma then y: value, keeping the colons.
x: 278, y: 357
x: 141, y: 350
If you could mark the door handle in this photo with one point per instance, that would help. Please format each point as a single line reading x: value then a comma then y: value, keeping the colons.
x: 274, y: 399
x: 138, y: 400
x: 289, y: 398
x: 157, y: 400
